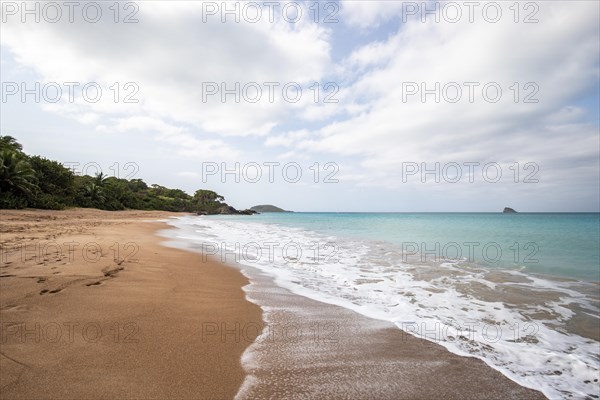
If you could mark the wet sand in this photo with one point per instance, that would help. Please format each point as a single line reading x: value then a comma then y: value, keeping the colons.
x: 314, y: 350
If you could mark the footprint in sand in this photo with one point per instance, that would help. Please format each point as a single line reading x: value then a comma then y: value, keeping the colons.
x: 44, y: 291
x: 111, y: 271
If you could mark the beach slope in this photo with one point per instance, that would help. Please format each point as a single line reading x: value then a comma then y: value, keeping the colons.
x: 93, y: 306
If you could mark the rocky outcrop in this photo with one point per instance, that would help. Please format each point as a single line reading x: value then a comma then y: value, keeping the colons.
x: 228, y: 210
x: 508, y: 210
x: 248, y: 212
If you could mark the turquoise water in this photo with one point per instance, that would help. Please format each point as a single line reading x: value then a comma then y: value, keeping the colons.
x: 560, y: 244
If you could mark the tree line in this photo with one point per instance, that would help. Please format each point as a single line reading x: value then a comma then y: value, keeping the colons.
x: 37, y: 182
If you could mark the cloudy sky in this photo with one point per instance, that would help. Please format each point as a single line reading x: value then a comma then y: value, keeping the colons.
x: 316, y: 106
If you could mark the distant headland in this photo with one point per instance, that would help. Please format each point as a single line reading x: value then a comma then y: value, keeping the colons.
x: 267, y: 208
x: 226, y: 209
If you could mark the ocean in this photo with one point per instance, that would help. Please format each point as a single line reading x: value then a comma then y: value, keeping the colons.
x: 519, y: 291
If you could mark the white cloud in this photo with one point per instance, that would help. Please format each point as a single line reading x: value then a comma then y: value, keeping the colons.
x: 392, y: 130
x: 287, y: 139
x: 171, y: 55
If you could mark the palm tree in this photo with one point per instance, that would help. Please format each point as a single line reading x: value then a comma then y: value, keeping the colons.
x: 9, y: 143
x: 95, y: 192
x: 100, y: 179
x: 16, y: 175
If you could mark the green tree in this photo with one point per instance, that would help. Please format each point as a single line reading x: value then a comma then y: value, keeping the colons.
x: 96, y: 194
x: 10, y: 143
x: 16, y: 174
x: 55, y: 184
x: 100, y: 179
x: 137, y: 185
x: 207, y: 200
x: 177, y: 194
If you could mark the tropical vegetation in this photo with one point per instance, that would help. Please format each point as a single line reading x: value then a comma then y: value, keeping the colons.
x: 36, y: 182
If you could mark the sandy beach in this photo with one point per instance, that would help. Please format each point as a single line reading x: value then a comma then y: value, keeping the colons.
x: 92, y: 306
x: 81, y: 320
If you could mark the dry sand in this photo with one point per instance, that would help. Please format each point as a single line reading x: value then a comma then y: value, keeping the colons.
x: 92, y: 306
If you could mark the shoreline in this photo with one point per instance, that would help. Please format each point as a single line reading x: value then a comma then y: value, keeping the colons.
x: 126, y: 318
x: 313, y: 349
